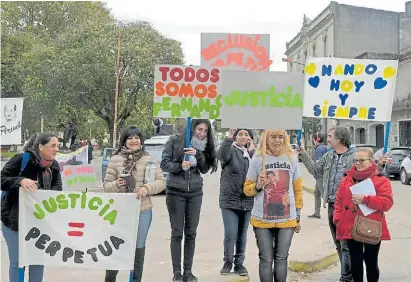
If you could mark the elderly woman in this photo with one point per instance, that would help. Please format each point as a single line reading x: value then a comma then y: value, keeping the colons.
x: 346, y: 210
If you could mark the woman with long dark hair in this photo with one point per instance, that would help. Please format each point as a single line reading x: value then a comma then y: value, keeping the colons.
x: 40, y: 170
x: 185, y: 190
x: 126, y: 174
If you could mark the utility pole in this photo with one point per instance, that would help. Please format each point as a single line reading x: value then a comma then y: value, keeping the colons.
x: 42, y: 124
x: 116, y: 97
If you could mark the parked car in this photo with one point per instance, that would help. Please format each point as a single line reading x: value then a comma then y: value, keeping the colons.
x: 107, y: 154
x: 405, y: 171
x: 373, y: 147
x: 155, y: 146
x: 397, y: 155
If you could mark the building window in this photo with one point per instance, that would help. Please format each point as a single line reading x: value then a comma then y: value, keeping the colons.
x: 314, y: 55
x: 325, y: 45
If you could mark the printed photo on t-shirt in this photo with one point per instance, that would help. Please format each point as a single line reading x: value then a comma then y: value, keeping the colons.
x: 276, y: 195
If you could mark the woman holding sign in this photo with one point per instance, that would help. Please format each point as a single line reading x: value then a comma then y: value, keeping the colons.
x: 275, y: 181
x: 126, y: 173
x: 185, y: 190
x: 351, y: 218
x: 34, y: 169
x: 235, y: 154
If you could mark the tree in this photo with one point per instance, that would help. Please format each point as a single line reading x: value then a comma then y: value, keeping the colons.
x: 28, y: 32
x: 89, y: 57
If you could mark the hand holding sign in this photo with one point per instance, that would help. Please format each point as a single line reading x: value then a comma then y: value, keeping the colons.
x: 28, y: 184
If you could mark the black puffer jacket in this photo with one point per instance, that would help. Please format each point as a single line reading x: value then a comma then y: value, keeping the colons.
x: 178, y: 180
x: 233, y: 175
x: 10, y: 179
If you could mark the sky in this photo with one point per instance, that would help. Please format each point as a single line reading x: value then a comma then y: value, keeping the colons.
x: 185, y: 20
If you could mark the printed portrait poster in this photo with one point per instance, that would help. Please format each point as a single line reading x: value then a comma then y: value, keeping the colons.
x: 11, y: 120
x: 349, y: 88
x: 262, y: 100
x: 181, y: 92
x: 235, y: 51
x: 276, y: 195
x: 78, y: 229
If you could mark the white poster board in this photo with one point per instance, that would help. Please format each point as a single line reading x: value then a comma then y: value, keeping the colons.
x: 77, y: 157
x: 349, y: 88
x: 262, y: 100
x: 77, y: 229
x: 181, y: 92
x: 236, y: 51
x: 11, y: 120
x: 79, y: 177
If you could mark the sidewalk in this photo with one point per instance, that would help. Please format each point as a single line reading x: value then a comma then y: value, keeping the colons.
x: 307, y: 253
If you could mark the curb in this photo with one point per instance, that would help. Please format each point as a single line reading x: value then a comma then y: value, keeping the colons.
x: 237, y: 279
x: 308, y: 189
x: 313, y: 266
x: 316, y: 265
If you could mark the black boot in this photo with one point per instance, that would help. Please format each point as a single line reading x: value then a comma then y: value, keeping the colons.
x: 138, y: 264
x: 111, y: 276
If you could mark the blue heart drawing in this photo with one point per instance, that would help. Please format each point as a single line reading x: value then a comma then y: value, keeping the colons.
x: 379, y: 83
x: 314, y: 81
x: 343, y: 98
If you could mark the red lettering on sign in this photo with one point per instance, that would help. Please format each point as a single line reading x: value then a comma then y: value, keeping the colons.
x: 238, y: 41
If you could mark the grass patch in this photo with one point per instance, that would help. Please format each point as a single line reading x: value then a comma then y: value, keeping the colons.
x: 7, y: 154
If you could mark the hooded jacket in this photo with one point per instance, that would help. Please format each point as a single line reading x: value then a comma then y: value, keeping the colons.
x: 178, y: 180
x: 10, y: 178
x: 233, y: 175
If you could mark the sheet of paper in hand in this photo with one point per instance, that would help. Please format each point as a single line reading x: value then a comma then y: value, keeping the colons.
x: 367, y: 188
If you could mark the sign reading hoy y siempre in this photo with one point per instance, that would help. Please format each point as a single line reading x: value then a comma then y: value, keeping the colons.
x: 77, y: 229
x: 349, y: 88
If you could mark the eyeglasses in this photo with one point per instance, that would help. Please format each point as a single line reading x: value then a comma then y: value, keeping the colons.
x: 360, y: 161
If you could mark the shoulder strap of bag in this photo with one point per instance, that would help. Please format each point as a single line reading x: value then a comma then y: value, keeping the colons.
x: 24, y: 161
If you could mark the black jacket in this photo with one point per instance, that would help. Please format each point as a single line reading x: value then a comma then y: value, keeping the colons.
x: 9, y: 182
x: 179, y: 180
x: 233, y: 175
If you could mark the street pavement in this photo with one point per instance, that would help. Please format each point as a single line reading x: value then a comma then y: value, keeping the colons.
x: 395, y: 263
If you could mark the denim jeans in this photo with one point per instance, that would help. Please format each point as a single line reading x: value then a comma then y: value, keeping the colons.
x: 144, y: 224
x: 318, y: 194
x: 184, y: 213
x: 235, y: 234
x: 361, y: 253
x: 273, y: 245
x: 341, y: 246
x: 12, y: 240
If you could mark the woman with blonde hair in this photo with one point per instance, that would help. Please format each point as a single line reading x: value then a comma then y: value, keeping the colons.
x: 277, y: 204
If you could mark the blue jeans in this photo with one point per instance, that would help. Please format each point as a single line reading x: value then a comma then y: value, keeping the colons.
x: 12, y: 241
x: 273, y: 245
x: 143, y: 227
x: 235, y: 234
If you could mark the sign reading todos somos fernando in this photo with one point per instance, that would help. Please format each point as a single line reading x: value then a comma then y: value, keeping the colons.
x: 181, y: 92
x: 77, y: 229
